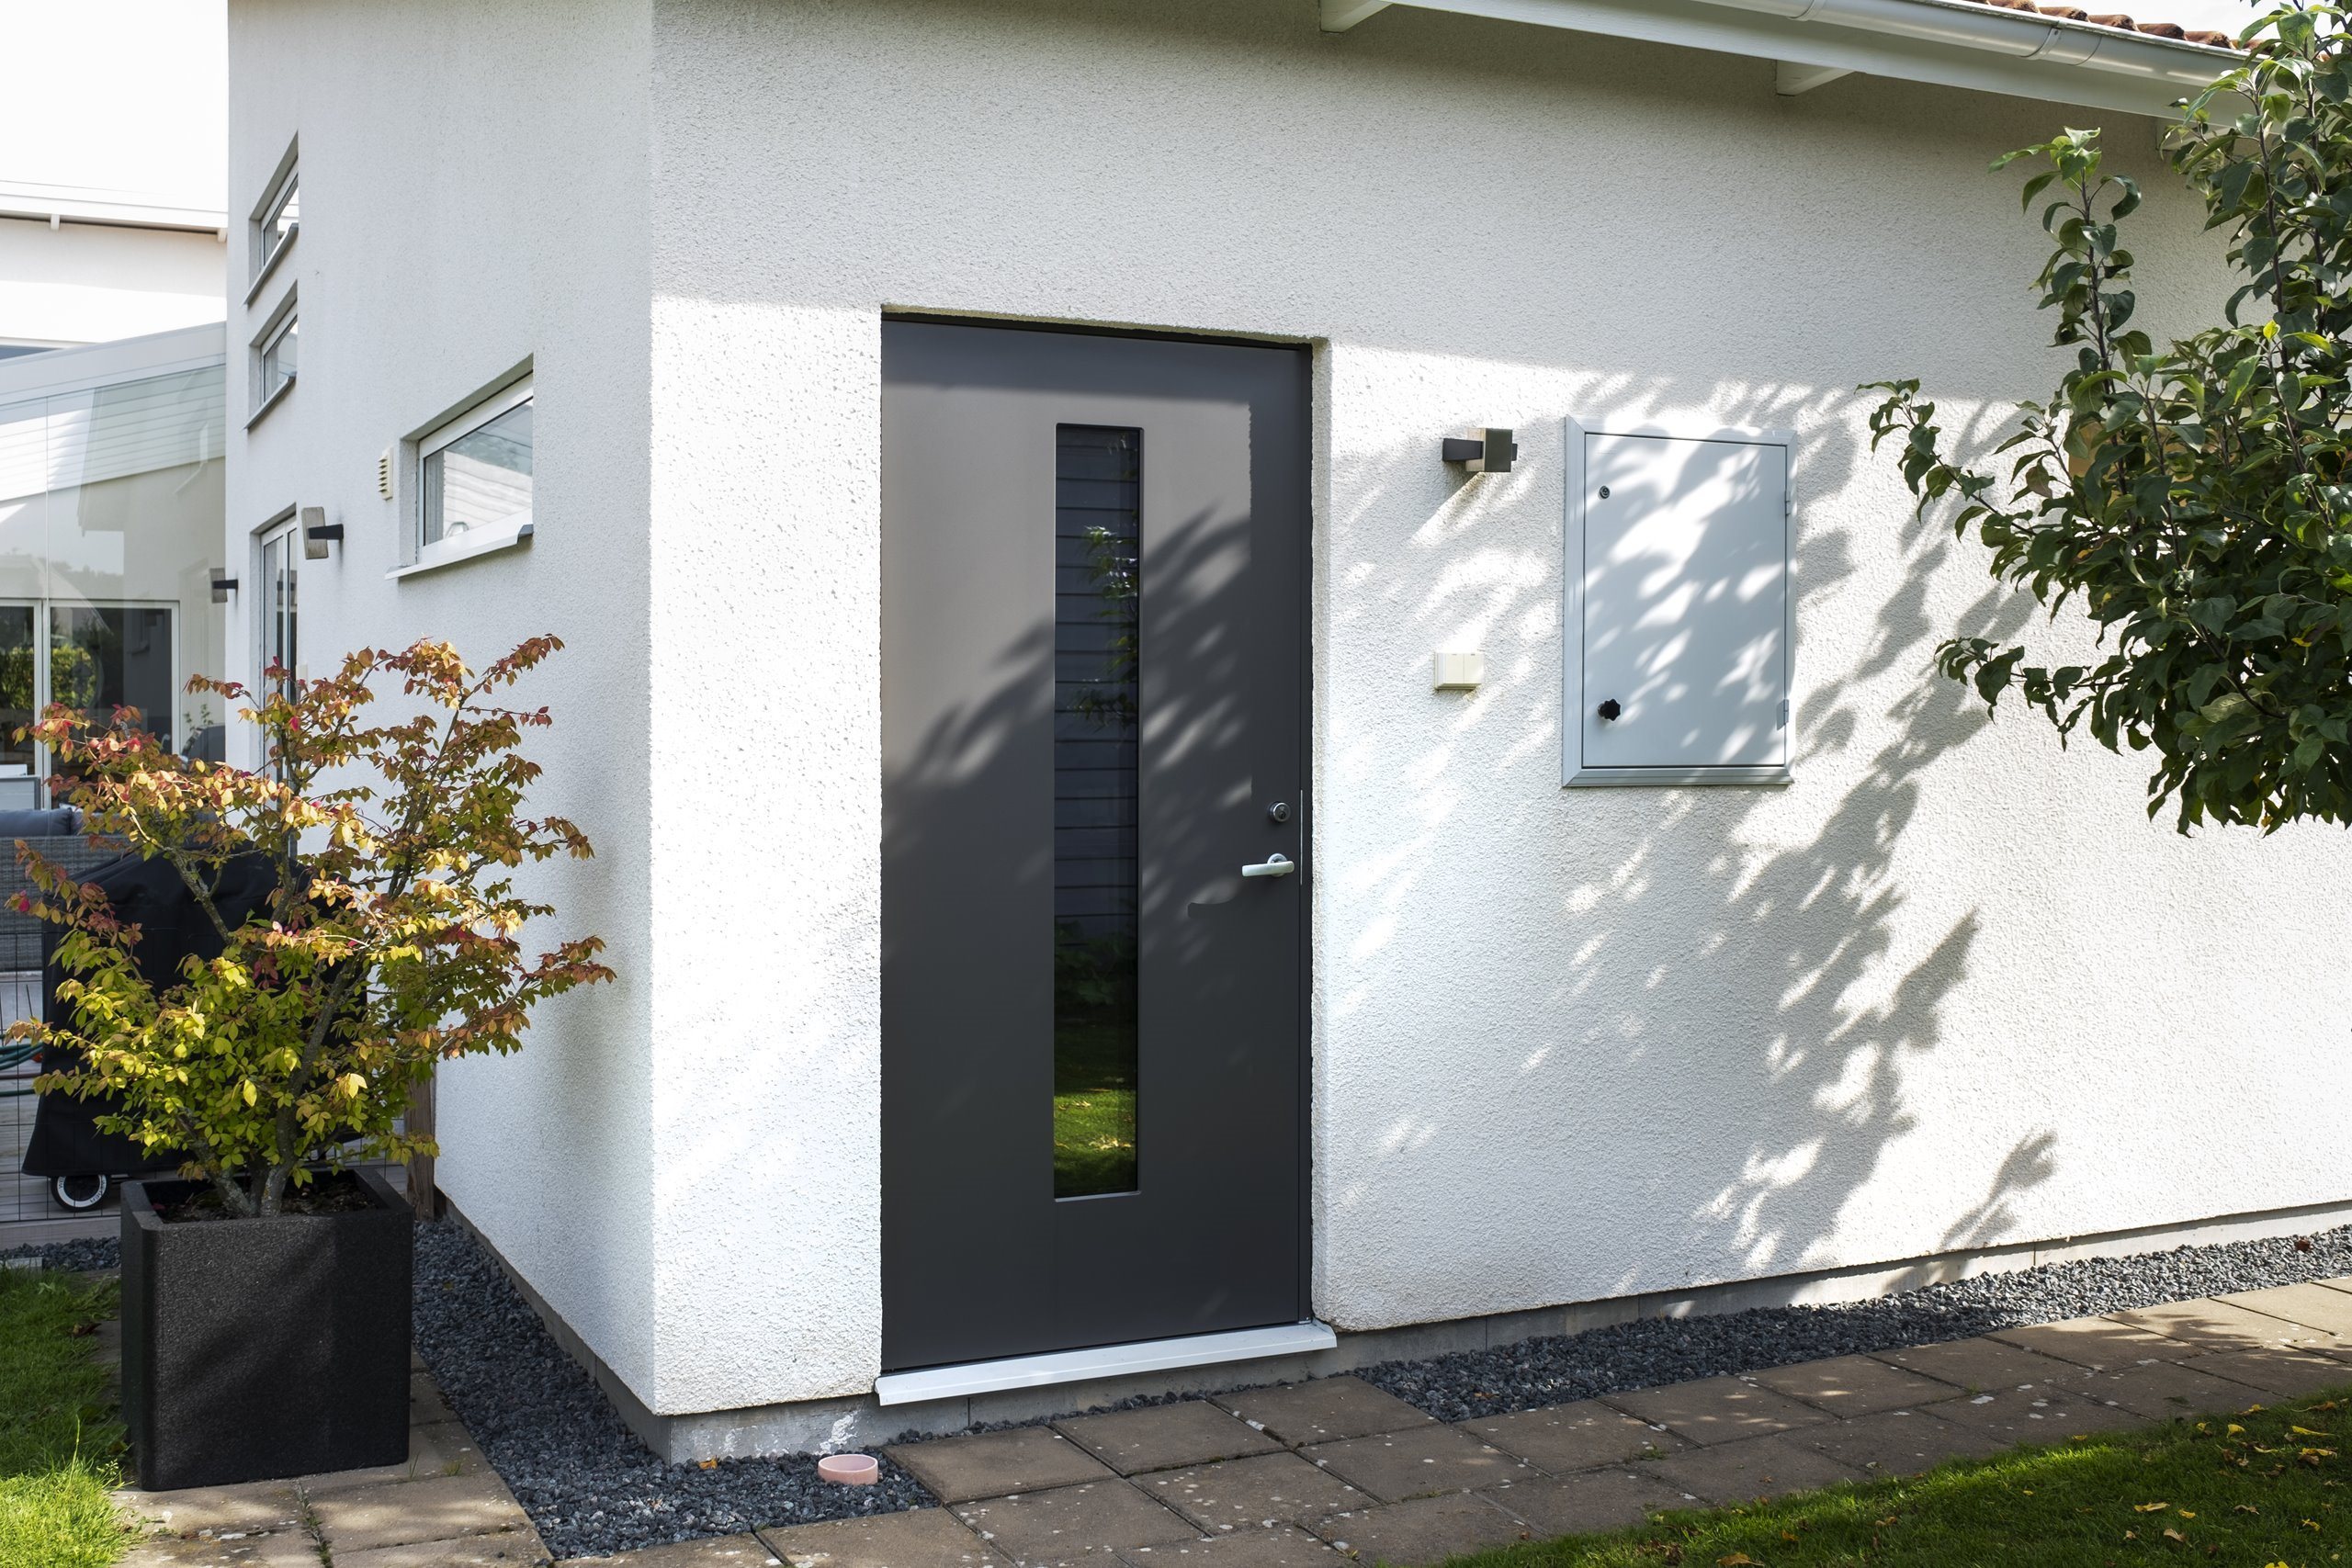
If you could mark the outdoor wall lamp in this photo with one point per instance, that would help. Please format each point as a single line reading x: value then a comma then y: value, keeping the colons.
x: 1490, y: 452
x: 318, y: 533
x: 223, y: 585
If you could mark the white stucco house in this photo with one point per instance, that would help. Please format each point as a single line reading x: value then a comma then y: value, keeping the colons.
x: 1131, y: 864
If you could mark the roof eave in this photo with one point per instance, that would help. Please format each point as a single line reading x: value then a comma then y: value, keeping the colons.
x: 1951, y: 43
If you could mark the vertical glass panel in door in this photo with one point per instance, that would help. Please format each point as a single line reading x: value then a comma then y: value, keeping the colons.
x: 104, y: 657
x: 1097, y: 541
x: 19, y: 704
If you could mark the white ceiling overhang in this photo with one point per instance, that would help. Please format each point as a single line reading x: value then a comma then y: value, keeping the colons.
x: 1952, y: 43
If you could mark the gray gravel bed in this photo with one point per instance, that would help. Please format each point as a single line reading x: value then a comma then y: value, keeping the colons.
x: 540, y: 1420
x: 81, y: 1253
x: 1658, y: 1350
x: 592, y: 1488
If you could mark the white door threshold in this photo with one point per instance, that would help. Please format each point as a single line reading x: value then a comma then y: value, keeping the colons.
x: 1102, y: 1362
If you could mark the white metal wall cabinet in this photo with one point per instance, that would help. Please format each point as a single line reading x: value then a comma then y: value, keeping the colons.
x: 1680, y: 622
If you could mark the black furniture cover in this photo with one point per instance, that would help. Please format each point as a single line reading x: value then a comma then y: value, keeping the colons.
x: 66, y: 1140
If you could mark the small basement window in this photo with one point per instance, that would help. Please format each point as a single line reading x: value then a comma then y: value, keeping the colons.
x: 474, y: 479
x: 1680, y: 622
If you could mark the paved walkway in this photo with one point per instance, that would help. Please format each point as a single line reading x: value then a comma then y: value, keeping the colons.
x: 1297, y: 1476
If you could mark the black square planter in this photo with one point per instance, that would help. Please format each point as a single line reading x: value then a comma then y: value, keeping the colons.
x: 254, y: 1350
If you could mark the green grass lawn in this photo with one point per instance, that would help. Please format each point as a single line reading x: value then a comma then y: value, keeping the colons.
x: 2261, y: 1488
x: 59, y: 1438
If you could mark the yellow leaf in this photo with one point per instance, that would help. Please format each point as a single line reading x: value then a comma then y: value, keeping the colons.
x: 2234, y: 1430
x: 2305, y: 1432
x: 2150, y: 1507
x: 2311, y: 1524
x: 2186, y: 1513
x: 250, y: 1096
x: 2176, y: 1535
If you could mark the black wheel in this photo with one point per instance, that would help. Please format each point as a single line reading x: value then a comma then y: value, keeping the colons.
x: 79, y: 1191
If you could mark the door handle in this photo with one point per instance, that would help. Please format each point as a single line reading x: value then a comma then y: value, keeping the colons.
x: 1275, y: 866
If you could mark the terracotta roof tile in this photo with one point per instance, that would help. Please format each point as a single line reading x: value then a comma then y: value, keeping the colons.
x: 2119, y: 20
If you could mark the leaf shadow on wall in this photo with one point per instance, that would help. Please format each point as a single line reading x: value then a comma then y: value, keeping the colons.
x: 1732, y: 990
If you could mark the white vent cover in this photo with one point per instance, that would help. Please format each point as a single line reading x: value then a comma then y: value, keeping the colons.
x: 384, y: 474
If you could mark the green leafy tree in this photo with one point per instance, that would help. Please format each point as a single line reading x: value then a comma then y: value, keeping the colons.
x: 389, y: 941
x: 2191, y: 500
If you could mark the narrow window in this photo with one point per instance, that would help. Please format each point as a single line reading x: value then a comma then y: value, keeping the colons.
x: 474, y: 475
x: 278, y: 216
x: 1098, y: 484
x: 278, y: 655
x: 276, y: 357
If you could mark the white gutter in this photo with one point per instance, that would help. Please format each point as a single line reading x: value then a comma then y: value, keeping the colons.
x: 123, y: 209
x: 1953, y: 43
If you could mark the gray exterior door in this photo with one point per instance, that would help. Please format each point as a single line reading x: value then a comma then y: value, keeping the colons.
x: 1093, y: 718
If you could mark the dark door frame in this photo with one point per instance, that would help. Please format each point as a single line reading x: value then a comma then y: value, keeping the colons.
x: 1308, y: 562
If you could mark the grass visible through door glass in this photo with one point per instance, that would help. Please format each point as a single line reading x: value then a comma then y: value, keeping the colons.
x: 1095, y: 1066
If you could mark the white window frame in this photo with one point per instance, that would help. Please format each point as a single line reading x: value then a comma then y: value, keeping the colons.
x: 503, y: 535
x: 1574, y: 773
x: 44, y: 633
x: 284, y: 525
x: 282, y: 320
x: 268, y: 248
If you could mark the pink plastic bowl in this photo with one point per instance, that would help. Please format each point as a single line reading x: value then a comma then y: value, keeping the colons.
x: 850, y: 1469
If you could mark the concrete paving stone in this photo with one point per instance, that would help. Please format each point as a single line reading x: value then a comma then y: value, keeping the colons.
x: 443, y: 1448
x: 2100, y: 1342
x: 1587, y: 1502
x: 2163, y: 1391
x: 2342, y: 1283
x: 1898, y: 1442
x: 2218, y: 1325
x: 1283, y: 1546
x: 1162, y: 1437
x: 1427, y: 1529
x: 996, y: 1464
x: 236, y: 1549
x: 1852, y: 1385
x: 2312, y: 1307
x: 1419, y: 1463
x: 1564, y: 1438
x: 1084, y: 1524
x: 2040, y: 1414
x: 712, y: 1551
x: 1716, y: 1410
x: 518, y: 1550
x: 1976, y: 1366
x: 2281, y: 1373
x: 920, y: 1538
x: 425, y: 1405
x: 1323, y: 1411
x: 399, y: 1513
x: 252, y: 1507
x: 1268, y: 1489
x: 1749, y: 1468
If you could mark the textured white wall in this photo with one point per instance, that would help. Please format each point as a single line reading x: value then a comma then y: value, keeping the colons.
x: 1569, y: 1044
x: 88, y: 283
x: 474, y: 188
